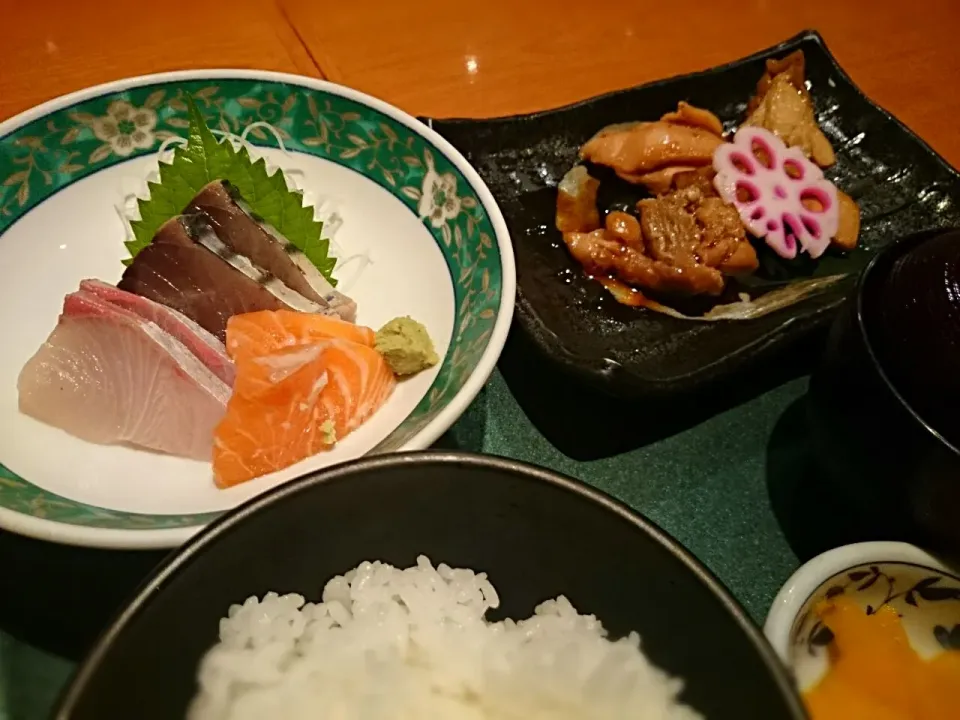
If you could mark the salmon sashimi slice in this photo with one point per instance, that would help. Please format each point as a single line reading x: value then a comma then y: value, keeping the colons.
x: 351, y: 381
x: 293, y: 402
x: 269, y: 427
x: 264, y: 375
x: 359, y: 382
x: 269, y: 330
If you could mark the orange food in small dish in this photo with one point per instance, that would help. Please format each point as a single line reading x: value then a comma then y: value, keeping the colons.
x: 875, y: 674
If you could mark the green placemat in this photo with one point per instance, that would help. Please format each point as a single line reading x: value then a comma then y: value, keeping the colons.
x: 708, y: 485
x: 29, y: 680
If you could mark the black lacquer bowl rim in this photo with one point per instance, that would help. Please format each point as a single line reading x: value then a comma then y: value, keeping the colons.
x: 614, y: 377
x: 890, y: 252
x: 193, y: 550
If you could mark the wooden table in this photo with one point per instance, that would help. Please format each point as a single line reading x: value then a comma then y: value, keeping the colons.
x: 441, y: 58
x: 492, y: 58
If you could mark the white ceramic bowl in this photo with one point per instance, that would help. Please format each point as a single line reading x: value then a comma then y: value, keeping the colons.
x: 408, y: 200
x: 923, y: 588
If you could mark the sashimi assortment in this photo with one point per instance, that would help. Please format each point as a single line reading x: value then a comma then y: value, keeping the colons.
x: 223, y: 340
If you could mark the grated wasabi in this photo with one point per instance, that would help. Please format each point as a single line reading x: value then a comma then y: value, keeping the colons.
x: 406, y: 346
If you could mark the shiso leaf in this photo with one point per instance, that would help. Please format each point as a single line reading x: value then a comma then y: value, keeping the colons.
x: 204, y: 159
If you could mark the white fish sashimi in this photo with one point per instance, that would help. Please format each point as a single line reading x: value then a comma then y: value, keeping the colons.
x: 207, y: 348
x: 109, y: 377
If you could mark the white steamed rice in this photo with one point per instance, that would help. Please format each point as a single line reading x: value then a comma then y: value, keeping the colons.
x: 413, y: 644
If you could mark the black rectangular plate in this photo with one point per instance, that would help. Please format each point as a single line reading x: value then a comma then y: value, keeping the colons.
x: 901, y: 184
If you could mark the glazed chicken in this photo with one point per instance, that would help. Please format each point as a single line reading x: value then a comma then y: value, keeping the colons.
x: 685, y: 240
x: 692, y: 225
x: 577, y: 202
x: 651, y: 153
x: 602, y: 253
x: 848, y: 231
x: 783, y: 106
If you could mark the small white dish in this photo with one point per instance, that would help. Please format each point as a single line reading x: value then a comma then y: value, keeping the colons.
x: 922, y: 587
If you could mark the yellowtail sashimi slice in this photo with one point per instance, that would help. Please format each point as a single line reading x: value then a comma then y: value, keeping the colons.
x: 208, y: 349
x: 108, y: 376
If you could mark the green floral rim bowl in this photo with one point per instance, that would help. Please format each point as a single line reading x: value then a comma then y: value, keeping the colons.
x: 406, y: 200
x: 923, y: 589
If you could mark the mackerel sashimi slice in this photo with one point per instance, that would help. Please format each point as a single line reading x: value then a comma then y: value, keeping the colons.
x: 108, y: 376
x: 188, y: 268
x: 197, y: 283
x: 251, y: 236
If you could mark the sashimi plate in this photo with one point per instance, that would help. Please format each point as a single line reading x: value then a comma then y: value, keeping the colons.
x: 417, y: 233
